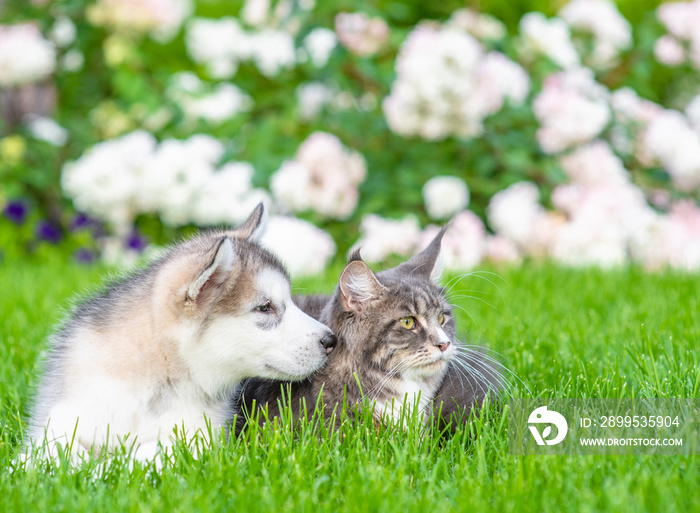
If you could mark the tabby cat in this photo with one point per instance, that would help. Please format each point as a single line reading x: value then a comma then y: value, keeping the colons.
x: 395, y: 347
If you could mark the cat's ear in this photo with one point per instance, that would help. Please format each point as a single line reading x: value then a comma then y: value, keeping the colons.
x: 358, y: 285
x: 214, y: 273
x: 428, y: 262
x: 254, y: 227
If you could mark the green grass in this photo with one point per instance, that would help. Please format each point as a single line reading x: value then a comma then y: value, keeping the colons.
x: 565, y: 333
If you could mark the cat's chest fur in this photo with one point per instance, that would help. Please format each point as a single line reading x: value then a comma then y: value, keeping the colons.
x: 408, y: 394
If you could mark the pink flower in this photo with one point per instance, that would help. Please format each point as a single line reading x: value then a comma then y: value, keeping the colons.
x: 572, y: 109
x: 594, y: 164
x: 669, y: 51
x: 674, y: 239
x: 361, y: 34
x: 500, y: 249
x: 324, y: 177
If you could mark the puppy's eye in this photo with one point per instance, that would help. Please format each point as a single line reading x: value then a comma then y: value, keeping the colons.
x: 265, y: 307
x: 408, y: 322
x: 441, y: 318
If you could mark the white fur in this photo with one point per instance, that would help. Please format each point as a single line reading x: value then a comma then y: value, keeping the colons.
x: 414, y: 392
x: 439, y: 266
x: 272, y: 353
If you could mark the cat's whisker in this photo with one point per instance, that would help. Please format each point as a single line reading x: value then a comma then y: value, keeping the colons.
x: 478, y: 299
x: 474, y: 371
x: 459, y: 294
x: 477, y: 274
x: 450, y: 285
x: 474, y: 357
x: 497, y: 377
x: 468, y: 351
x: 374, y: 392
x: 468, y: 374
x: 466, y: 312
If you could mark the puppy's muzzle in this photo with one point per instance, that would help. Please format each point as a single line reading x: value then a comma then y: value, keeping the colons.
x: 328, y: 342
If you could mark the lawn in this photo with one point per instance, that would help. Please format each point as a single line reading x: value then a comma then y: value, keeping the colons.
x: 565, y: 333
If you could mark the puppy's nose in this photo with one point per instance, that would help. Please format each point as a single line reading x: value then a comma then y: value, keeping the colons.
x: 443, y: 346
x: 328, y: 342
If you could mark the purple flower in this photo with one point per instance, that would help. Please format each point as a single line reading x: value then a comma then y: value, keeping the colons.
x: 84, y: 256
x: 136, y: 242
x: 81, y: 221
x: 16, y: 211
x: 48, y: 232
x: 84, y: 222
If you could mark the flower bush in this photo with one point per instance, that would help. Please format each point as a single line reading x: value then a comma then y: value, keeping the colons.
x: 570, y: 132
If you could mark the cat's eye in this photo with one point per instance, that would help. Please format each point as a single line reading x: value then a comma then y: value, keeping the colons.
x: 408, y: 322
x: 265, y: 307
x: 441, y: 318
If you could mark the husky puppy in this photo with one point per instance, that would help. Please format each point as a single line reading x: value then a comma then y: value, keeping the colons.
x: 396, y: 347
x: 164, y: 348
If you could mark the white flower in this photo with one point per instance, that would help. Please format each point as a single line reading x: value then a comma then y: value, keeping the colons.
x: 312, y: 97
x: 504, y: 78
x: 273, y: 51
x: 302, y: 247
x: 219, y: 44
x: 222, y: 103
x: 177, y: 179
x: 572, y: 109
x: 692, y: 111
x: 548, y: 37
x: 25, y: 56
x: 291, y: 184
x: 176, y: 173
x: 669, y: 51
x: 516, y: 215
x: 46, y: 129
x: 63, y: 32
x: 104, y: 181
x: 320, y: 44
x: 611, y: 32
x: 682, y: 20
x: 227, y: 197
x: 446, y: 86
x: 73, y: 60
x: 160, y: 18
x: 444, y: 196
x: 480, y: 25
x: 361, y: 34
x: 255, y: 12
x: 670, y: 139
x: 381, y: 238
x: 629, y: 107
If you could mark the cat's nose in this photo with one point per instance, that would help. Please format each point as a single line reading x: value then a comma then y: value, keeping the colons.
x: 328, y: 342
x: 444, y: 345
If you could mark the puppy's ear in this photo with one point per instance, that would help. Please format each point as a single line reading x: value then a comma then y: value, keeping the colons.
x: 358, y: 286
x: 254, y: 227
x: 214, y: 274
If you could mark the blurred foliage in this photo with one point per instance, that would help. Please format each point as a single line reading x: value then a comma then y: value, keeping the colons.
x: 122, y: 85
